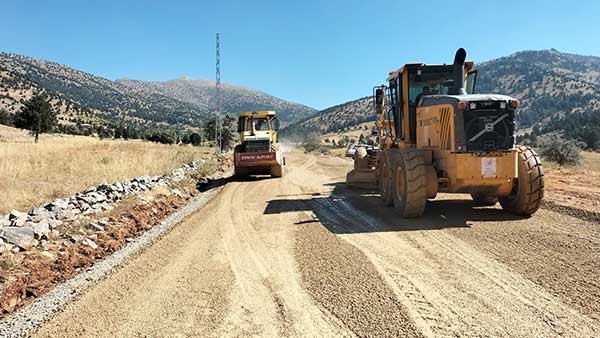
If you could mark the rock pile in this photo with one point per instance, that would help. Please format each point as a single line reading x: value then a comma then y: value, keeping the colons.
x: 24, y: 230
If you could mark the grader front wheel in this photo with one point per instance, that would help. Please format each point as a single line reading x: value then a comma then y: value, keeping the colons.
x: 528, y: 191
x: 409, y: 182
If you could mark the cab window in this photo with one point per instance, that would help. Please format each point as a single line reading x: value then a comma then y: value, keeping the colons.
x: 427, y: 84
x: 260, y: 124
x: 471, y: 81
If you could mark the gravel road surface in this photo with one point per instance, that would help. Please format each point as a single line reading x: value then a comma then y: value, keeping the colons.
x: 304, y: 256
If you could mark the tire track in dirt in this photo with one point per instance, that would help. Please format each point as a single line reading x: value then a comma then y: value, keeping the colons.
x: 486, y: 298
x: 268, y: 299
x: 556, y: 251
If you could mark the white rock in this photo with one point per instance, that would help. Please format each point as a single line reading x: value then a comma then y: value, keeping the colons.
x: 90, y: 243
x: 22, y: 237
x: 41, y: 229
x: 95, y: 227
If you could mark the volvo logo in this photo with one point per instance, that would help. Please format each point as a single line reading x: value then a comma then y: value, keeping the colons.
x: 489, y: 127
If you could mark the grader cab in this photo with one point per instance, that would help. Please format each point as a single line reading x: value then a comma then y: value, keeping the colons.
x: 437, y: 135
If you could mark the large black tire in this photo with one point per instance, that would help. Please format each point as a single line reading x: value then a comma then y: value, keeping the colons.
x: 484, y: 199
x: 528, y: 192
x: 241, y: 173
x: 385, y: 178
x: 409, y: 183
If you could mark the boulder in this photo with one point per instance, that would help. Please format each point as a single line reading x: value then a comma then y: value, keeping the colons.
x: 5, y: 222
x: 57, y: 204
x: 21, y: 237
x: 40, y: 229
x: 18, y: 218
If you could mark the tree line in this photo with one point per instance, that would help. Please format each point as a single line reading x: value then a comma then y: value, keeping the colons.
x: 38, y: 116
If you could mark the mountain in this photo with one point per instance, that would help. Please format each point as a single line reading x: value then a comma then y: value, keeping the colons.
x: 332, y: 119
x: 21, y: 76
x: 558, y: 92
x: 85, y: 97
x: 200, y: 93
x: 547, y: 82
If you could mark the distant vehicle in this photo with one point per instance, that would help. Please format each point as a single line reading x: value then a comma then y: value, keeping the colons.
x: 353, y: 147
x: 258, y: 151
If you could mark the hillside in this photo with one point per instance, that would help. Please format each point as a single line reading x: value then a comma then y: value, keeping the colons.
x: 21, y: 76
x: 558, y: 92
x: 333, y: 119
x: 548, y: 83
x: 200, y: 93
x: 85, y: 97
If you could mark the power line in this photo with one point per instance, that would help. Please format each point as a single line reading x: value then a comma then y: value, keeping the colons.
x: 218, y: 144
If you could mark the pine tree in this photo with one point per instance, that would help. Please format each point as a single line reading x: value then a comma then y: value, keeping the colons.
x: 36, y: 115
x: 228, y: 132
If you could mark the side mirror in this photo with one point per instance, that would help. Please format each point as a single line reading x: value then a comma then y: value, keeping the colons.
x: 379, y: 101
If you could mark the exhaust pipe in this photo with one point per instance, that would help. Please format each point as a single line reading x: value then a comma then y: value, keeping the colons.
x: 458, y: 87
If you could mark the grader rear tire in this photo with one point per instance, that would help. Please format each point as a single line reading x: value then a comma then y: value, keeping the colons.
x: 409, y: 182
x: 385, y: 179
x: 483, y: 199
x: 528, y: 192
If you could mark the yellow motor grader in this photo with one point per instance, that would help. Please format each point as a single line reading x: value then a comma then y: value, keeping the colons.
x: 258, y: 153
x: 437, y: 135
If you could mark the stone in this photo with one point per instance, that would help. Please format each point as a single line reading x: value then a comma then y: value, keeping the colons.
x: 104, y: 186
x: 43, y: 212
x: 119, y: 187
x: 48, y: 255
x: 95, y: 226
x: 90, y: 243
x: 177, y: 193
x: 54, y: 223
x: 41, y: 229
x: 68, y: 214
x: 76, y: 238
x: 14, y: 214
x: 21, y: 237
x: 18, y: 218
x: 5, y: 222
x: 103, y: 221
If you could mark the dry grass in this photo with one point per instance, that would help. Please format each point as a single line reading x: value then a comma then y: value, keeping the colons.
x: 59, y: 165
x: 589, y: 161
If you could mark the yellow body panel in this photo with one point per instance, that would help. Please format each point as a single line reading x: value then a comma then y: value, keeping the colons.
x: 461, y: 172
x: 471, y: 172
x: 435, y: 127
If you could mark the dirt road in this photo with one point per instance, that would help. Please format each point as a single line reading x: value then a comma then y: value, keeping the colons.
x: 303, y: 256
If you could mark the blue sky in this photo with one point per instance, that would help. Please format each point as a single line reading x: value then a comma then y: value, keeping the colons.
x: 318, y: 53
